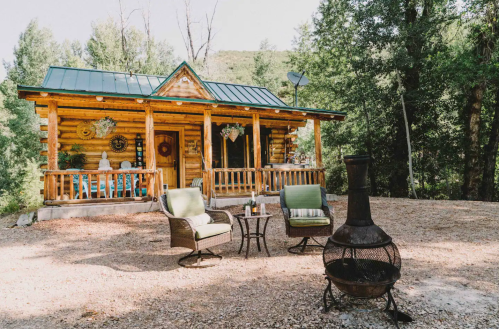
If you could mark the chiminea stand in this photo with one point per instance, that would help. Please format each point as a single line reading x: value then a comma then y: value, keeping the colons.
x: 395, y: 314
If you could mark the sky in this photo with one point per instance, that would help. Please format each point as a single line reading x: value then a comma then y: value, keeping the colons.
x: 239, y: 24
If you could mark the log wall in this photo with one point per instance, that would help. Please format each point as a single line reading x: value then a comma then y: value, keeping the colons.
x: 128, y: 126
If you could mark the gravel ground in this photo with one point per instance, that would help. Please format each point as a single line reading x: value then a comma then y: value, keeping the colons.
x: 119, y: 272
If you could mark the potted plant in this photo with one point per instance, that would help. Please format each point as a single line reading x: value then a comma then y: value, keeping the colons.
x: 104, y: 127
x: 232, y: 131
x: 76, y: 160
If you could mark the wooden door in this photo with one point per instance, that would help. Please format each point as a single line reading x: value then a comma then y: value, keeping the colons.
x: 167, y: 156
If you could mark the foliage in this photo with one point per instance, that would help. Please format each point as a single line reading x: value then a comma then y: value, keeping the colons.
x: 24, y: 195
x: 226, y: 131
x: 264, y: 67
x: 77, y: 159
x: 106, y: 51
x: 20, y: 137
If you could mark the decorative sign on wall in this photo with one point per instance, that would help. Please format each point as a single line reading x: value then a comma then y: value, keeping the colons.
x: 139, y: 151
x: 192, y: 147
x: 85, y: 130
x: 118, y: 143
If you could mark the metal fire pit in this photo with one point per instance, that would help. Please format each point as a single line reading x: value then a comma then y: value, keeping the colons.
x: 362, y: 272
x: 360, y: 258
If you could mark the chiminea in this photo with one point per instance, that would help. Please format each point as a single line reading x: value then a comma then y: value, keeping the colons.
x: 360, y: 258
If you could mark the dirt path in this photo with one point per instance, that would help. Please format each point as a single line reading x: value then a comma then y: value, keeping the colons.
x: 119, y: 272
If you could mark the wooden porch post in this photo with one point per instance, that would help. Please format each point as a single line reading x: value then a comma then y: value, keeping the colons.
x: 207, y: 154
x: 247, y: 154
x: 318, y: 149
x: 52, y: 140
x: 257, y: 151
x: 150, y: 149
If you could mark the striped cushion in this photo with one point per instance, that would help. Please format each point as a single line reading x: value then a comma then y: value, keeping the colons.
x: 196, y: 182
x: 307, y: 213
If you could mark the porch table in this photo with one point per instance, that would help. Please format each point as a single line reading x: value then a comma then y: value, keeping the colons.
x: 247, y: 235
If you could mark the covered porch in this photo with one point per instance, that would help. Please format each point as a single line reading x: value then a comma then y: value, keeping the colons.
x: 171, y: 127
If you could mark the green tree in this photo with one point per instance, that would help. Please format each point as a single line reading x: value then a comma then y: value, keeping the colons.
x: 20, y: 139
x: 72, y: 54
x: 264, y: 71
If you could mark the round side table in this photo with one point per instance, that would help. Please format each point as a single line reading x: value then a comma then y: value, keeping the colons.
x: 247, y: 235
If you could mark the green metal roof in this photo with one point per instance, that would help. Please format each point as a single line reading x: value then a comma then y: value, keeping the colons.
x: 96, y: 81
x: 78, y: 81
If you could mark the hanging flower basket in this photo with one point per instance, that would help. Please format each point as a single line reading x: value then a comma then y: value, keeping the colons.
x: 232, y: 131
x: 104, y: 127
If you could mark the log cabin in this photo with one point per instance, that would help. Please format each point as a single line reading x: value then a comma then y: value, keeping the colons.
x: 168, y: 129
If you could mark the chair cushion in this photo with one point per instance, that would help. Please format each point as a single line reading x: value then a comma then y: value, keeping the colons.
x: 202, y: 219
x: 196, y: 182
x: 308, y: 221
x: 303, y: 197
x: 307, y: 213
x: 205, y: 231
x: 185, y: 202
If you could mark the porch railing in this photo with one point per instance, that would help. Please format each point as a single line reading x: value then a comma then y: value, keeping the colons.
x: 234, y: 181
x: 267, y: 181
x: 274, y: 179
x: 97, y: 186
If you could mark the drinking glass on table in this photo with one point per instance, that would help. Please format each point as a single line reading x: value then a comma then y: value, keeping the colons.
x: 262, y: 209
x: 247, y: 211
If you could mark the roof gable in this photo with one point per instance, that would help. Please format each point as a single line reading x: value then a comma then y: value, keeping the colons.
x: 183, y: 83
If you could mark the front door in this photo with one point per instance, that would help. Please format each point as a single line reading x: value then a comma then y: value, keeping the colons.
x: 167, y: 156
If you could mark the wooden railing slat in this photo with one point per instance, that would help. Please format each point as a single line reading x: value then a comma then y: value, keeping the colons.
x: 116, y: 185
x: 80, y: 186
x: 98, y: 186
x: 71, y: 188
x: 62, y: 186
x: 140, y: 185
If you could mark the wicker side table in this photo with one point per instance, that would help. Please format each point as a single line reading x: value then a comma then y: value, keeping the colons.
x: 247, y: 235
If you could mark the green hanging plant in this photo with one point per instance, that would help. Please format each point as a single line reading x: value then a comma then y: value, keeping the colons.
x: 232, y: 131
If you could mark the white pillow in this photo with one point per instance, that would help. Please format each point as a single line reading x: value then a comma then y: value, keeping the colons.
x: 307, y: 213
x: 202, y: 219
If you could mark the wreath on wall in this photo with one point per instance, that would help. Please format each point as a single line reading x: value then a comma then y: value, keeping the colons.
x: 118, y: 143
x: 164, y: 148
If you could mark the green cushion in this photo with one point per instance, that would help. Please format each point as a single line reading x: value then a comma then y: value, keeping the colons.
x: 185, y: 202
x: 205, y: 231
x: 303, y: 197
x: 308, y: 221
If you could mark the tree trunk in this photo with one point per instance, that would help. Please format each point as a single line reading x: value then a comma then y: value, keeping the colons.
x: 369, y: 145
x: 483, y: 49
x: 472, y: 114
x: 487, y: 190
x: 414, y: 43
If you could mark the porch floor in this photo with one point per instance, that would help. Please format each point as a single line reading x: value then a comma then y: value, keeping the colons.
x: 118, y: 271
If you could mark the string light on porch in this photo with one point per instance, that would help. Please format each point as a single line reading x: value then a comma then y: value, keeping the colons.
x: 277, y: 111
x: 214, y: 105
x: 140, y: 101
x: 99, y: 98
x: 44, y: 94
x: 179, y: 103
x: 246, y: 108
x: 304, y: 114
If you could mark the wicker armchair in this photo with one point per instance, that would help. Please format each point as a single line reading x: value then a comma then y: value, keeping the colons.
x: 305, y: 197
x: 184, y: 209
